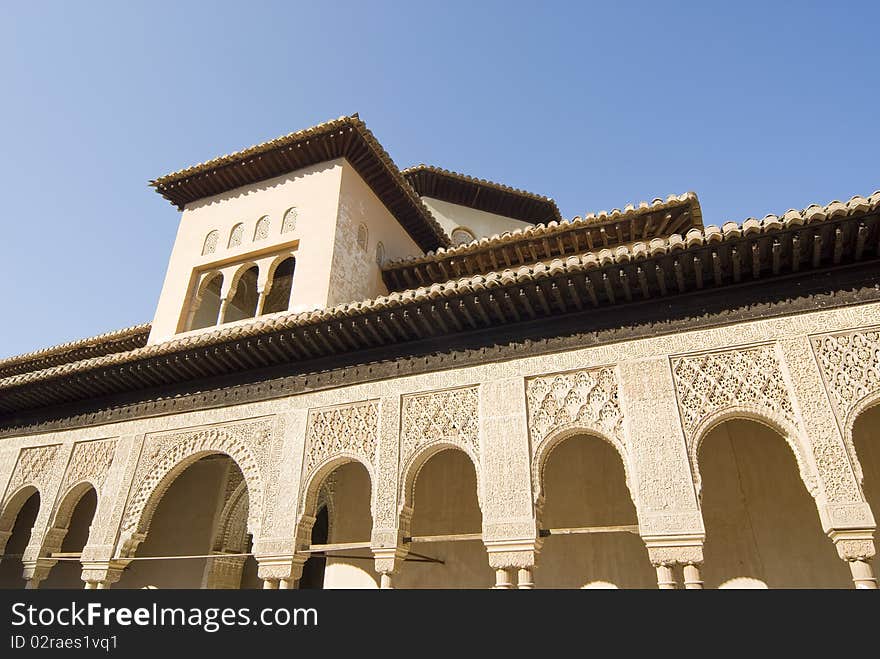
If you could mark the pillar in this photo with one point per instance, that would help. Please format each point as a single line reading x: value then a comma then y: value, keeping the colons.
x: 390, y: 551
x: 221, y: 314
x: 503, y: 579
x: 524, y: 579
x: 665, y: 576
x: 513, y: 561
x: 280, y: 571
x: 35, y: 571
x: 692, y: 580
x: 261, y: 301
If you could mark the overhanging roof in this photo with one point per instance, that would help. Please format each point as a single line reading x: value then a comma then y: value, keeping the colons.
x: 346, y: 137
x: 481, y: 194
x: 709, y: 259
x: 660, y: 218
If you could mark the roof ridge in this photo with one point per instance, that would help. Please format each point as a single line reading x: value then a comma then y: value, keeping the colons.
x: 475, y: 179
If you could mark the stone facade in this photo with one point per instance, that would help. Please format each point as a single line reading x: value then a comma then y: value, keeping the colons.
x: 766, y: 370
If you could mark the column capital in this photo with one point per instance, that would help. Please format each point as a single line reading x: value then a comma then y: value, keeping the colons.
x: 510, y: 554
x: 103, y: 572
x: 854, y: 545
x: 677, y: 550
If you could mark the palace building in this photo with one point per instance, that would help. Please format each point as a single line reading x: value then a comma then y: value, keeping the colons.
x: 364, y: 377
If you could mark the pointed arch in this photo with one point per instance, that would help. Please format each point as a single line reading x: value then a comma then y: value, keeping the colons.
x: 236, y: 235
x: 210, y: 244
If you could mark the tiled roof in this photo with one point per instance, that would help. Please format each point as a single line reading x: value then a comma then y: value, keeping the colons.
x: 605, y: 229
x: 346, y: 137
x: 702, y: 258
x: 110, y: 342
x: 456, y: 188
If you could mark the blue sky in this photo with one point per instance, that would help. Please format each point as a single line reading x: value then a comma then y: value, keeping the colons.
x: 757, y: 107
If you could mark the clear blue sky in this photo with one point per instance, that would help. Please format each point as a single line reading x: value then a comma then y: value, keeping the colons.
x: 758, y: 107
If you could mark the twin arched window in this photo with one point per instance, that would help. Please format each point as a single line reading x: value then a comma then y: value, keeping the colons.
x: 243, y: 300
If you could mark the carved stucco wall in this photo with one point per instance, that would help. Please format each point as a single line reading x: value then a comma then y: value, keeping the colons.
x: 850, y: 365
x: 165, y: 455
x: 743, y: 382
x: 807, y: 376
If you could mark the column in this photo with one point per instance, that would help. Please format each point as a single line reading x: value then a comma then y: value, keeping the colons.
x: 524, y: 579
x: 221, y: 314
x: 36, y: 571
x: 503, y: 579
x: 665, y: 576
x: 261, y: 301
x: 665, y: 554
x: 692, y: 580
x: 280, y: 571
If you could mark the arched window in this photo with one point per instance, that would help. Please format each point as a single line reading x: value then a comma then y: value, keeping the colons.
x: 236, y: 235
x: 462, y: 236
x: 289, y: 222
x: 380, y: 253
x: 262, y: 230
x: 208, y: 302
x: 210, y: 245
x: 278, y: 298
x: 243, y: 304
x: 362, y: 237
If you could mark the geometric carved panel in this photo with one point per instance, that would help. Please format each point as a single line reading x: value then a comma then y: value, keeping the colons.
x: 338, y: 430
x: 90, y: 461
x: 850, y: 365
x: 750, y: 377
x: 587, y: 398
x: 451, y: 416
x: 36, y: 466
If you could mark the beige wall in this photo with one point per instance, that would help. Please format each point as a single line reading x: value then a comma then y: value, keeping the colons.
x: 761, y: 522
x: 480, y: 223
x: 584, y: 485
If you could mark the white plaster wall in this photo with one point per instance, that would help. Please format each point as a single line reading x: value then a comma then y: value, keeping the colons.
x: 481, y: 224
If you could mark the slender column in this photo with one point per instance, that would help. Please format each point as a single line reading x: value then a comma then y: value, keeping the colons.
x: 90, y: 585
x: 261, y: 301
x: 287, y: 584
x: 101, y: 574
x: 863, y: 575
x: 692, y: 580
x: 385, y: 582
x: 221, y: 315
x: 503, y: 578
x: 665, y: 577
x: 524, y: 579
x: 279, y: 571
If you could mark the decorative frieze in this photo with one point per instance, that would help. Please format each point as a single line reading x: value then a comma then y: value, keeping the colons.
x: 35, y: 466
x: 90, y: 462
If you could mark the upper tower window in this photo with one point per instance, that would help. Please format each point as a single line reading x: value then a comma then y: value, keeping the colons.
x: 280, y: 285
x: 236, y: 235
x: 262, y: 230
x: 243, y: 303
x: 210, y: 245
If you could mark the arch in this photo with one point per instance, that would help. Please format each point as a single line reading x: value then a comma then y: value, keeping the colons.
x: 12, y: 507
x: 280, y: 284
x: 20, y: 515
x: 308, y: 503
x: 417, y: 462
x: 236, y: 235
x: 241, y: 300
x: 462, y: 236
x: 261, y: 231
x: 760, y: 518
x: 206, y: 301
x: 861, y: 406
x: 560, y: 435
x: 362, y: 236
x: 149, y: 491
x: 210, y: 244
x: 788, y: 432
x: 68, y: 502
